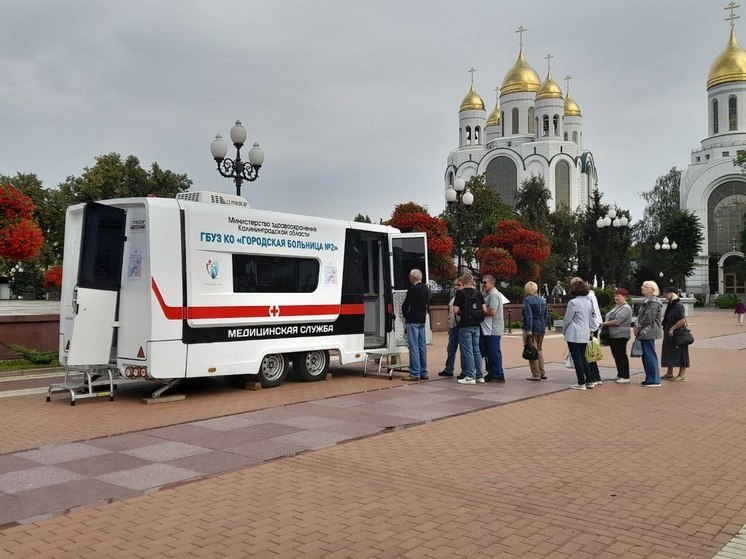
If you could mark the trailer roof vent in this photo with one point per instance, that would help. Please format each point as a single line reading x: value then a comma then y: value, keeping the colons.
x: 214, y: 198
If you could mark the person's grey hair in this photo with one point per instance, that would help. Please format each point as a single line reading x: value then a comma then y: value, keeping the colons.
x: 652, y: 285
x: 531, y: 288
x: 416, y: 273
x: 489, y: 278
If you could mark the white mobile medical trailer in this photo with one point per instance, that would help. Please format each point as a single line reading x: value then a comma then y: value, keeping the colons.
x: 203, y: 285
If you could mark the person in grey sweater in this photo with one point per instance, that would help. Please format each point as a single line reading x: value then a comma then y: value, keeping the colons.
x: 577, y: 329
x: 648, y: 328
x: 618, y: 321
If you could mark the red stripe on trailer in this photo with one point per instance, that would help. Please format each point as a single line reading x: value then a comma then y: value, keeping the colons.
x: 260, y: 311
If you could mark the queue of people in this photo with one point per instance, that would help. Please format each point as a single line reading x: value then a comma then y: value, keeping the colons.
x: 476, y: 326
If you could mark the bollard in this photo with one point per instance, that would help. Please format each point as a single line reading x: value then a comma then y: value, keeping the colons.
x: 510, y: 325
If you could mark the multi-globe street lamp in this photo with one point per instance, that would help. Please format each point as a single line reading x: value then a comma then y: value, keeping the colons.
x: 612, y: 219
x: 462, y: 197
x: 665, y: 245
x: 237, y: 169
x: 14, y: 271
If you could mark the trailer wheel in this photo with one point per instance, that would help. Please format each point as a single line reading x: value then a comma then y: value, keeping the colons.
x: 273, y: 370
x: 312, y: 365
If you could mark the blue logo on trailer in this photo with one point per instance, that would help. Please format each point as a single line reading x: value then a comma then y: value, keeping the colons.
x: 212, y: 268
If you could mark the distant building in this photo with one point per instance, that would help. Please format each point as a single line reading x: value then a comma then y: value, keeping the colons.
x: 533, y: 130
x: 712, y: 187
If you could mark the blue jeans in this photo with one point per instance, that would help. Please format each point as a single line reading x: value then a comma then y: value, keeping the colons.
x: 417, y: 350
x: 452, y: 347
x: 468, y: 337
x: 650, y: 362
x: 494, y: 357
x: 582, y: 367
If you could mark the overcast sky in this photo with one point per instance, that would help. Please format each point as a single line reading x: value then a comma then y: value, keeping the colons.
x: 355, y: 103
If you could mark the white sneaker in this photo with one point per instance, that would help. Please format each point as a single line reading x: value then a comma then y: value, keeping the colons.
x: 480, y: 380
x: 577, y: 387
x: 467, y: 380
x: 598, y: 383
x: 621, y: 380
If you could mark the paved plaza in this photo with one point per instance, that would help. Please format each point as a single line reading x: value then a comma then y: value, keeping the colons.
x: 367, y: 467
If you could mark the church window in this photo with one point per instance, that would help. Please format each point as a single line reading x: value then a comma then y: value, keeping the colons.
x: 555, y: 124
x: 732, y: 113
x: 714, y: 116
x: 566, y: 136
x: 726, y: 154
x: 461, y: 136
x: 545, y: 125
x: 698, y: 158
x: 514, y: 119
x: 477, y: 135
x: 530, y: 120
x: 575, y: 137
x: 707, y: 157
x: 502, y: 123
x: 725, y: 209
x: 502, y: 175
x: 562, y: 184
x: 468, y: 135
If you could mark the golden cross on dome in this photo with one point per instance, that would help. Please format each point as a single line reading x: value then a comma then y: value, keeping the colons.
x: 548, y: 58
x: 497, y: 93
x: 568, y: 77
x: 732, y: 17
x: 471, y: 71
x: 521, y: 30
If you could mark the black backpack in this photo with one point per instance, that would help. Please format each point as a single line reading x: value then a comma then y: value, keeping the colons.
x: 472, y: 313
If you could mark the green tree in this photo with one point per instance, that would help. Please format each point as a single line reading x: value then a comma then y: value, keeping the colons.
x: 532, y: 204
x: 360, y: 218
x: 113, y: 177
x: 477, y: 220
x: 661, y: 200
x: 563, y: 233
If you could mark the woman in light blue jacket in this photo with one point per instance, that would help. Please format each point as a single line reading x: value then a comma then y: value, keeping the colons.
x: 648, y: 328
x: 577, y: 330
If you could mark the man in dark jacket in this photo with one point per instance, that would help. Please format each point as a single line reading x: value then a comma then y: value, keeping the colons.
x: 414, y: 308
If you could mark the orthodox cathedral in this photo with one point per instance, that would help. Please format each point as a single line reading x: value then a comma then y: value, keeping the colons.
x: 534, y: 130
x: 712, y: 187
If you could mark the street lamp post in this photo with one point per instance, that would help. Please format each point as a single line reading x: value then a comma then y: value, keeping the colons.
x: 462, y: 197
x: 665, y: 245
x: 619, y: 222
x: 237, y: 169
x: 14, y: 271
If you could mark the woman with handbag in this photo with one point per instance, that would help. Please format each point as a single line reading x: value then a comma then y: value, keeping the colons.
x: 617, y: 326
x: 577, y: 328
x: 534, y: 327
x: 673, y: 319
x: 648, y: 329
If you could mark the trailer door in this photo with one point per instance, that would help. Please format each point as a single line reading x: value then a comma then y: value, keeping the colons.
x: 407, y: 252
x: 97, y: 290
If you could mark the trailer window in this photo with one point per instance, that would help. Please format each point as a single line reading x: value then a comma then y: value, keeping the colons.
x: 274, y: 274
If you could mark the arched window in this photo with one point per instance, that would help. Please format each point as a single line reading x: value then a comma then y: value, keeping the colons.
x: 468, y: 135
x: 732, y: 113
x: 514, y: 118
x: 714, y: 116
x: 530, y: 120
x: 555, y: 124
x: 545, y: 125
x: 477, y: 136
x: 502, y: 175
x: 725, y: 209
x: 565, y: 136
x: 502, y: 123
x: 562, y: 185
x: 461, y: 136
x: 575, y: 136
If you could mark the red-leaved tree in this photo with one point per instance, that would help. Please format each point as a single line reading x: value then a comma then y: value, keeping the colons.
x: 53, y: 277
x: 20, y: 236
x: 513, y: 252
x: 411, y: 217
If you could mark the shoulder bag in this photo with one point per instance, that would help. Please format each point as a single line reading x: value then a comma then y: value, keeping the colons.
x: 636, y: 349
x: 683, y: 336
x: 603, y: 335
x: 530, y: 353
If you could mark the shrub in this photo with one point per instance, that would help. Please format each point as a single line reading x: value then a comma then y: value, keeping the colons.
x: 726, y: 301
x: 34, y: 355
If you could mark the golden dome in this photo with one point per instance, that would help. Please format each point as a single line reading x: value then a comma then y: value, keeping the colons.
x: 571, y: 107
x: 730, y: 65
x: 472, y: 101
x: 521, y: 77
x: 494, y: 118
x: 549, y: 89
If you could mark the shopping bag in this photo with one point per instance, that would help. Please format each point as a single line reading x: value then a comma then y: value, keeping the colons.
x: 568, y: 362
x: 593, y: 351
x: 636, y: 349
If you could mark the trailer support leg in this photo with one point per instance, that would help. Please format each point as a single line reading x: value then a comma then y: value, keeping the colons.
x: 170, y: 384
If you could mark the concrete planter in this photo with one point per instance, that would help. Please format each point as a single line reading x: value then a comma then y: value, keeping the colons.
x: 559, y: 325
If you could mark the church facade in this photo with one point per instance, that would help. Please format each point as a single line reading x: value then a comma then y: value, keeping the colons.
x: 712, y: 187
x: 533, y: 130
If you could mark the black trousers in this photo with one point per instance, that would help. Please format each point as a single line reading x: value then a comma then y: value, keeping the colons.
x: 619, y: 351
